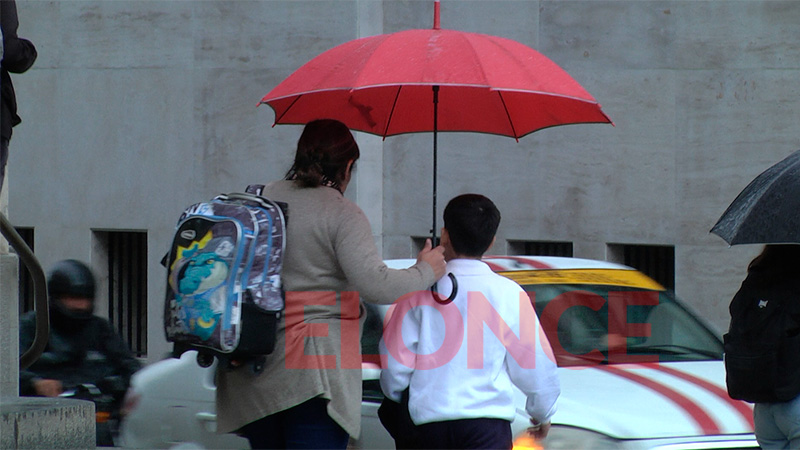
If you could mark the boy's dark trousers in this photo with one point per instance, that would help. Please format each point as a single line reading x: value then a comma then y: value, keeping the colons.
x: 482, y: 433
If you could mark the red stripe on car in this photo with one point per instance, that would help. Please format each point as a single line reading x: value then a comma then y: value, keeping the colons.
x: 532, y: 262
x: 495, y: 267
x: 701, y: 418
x: 744, y: 410
x: 535, y: 263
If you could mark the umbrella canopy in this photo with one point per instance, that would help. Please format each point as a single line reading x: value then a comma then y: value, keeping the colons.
x: 434, y: 80
x: 382, y: 85
x: 767, y: 211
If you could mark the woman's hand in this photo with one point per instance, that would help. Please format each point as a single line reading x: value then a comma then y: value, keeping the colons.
x: 434, y: 257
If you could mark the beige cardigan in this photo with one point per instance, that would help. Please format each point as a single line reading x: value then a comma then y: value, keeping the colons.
x: 329, y: 248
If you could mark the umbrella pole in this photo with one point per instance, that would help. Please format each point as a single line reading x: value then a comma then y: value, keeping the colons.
x: 433, y: 230
x: 434, y: 240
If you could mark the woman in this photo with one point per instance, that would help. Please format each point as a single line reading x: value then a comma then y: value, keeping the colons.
x: 309, y: 394
x: 772, y: 284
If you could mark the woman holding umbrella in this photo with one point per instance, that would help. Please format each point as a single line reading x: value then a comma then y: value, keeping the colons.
x: 762, y: 346
x: 309, y: 395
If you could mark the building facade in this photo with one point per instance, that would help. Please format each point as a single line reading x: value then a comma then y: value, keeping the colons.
x: 136, y: 109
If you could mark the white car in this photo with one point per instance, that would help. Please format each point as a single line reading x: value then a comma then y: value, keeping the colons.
x: 660, y: 386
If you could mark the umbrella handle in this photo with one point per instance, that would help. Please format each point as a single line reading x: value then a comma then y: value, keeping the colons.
x: 452, y: 296
x: 434, y: 239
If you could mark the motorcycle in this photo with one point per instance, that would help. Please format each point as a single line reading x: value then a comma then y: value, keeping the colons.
x: 107, y: 415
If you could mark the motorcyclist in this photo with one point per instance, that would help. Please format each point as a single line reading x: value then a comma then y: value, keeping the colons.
x: 83, y: 349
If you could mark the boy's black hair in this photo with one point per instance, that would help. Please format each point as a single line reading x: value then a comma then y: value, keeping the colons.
x: 472, y: 221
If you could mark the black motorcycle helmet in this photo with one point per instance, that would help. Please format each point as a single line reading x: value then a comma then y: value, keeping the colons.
x: 70, y: 278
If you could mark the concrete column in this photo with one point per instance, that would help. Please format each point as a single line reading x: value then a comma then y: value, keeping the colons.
x: 4, y: 209
x: 369, y: 183
x: 46, y: 423
x: 9, y: 310
x: 31, y: 423
x: 9, y: 326
x: 3, y: 189
x: 369, y: 172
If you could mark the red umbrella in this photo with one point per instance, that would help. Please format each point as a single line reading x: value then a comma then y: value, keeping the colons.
x: 434, y: 80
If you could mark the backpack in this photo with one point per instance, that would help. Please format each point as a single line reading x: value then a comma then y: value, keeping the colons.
x: 762, y: 346
x: 224, y: 296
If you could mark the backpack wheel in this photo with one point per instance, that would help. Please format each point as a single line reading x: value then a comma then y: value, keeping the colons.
x: 204, y: 360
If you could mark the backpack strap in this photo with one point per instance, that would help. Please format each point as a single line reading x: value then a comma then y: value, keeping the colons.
x: 255, y: 189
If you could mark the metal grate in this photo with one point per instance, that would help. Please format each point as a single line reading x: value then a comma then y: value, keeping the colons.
x: 25, y: 292
x: 655, y: 261
x: 127, y: 287
x: 540, y: 248
x: 548, y: 248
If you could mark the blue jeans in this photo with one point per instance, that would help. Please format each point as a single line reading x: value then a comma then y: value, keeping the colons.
x: 778, y: 424
x: 305, y: 426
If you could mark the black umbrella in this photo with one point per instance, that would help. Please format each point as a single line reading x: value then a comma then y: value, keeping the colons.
x: 767, y: 211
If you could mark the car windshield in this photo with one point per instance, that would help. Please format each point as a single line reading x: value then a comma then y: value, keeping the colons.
x: 607, y: 324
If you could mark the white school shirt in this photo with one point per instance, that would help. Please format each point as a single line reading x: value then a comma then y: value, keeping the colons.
x: 443, y: 377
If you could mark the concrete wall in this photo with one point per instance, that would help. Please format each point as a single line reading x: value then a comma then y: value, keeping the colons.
x: 137, y: 108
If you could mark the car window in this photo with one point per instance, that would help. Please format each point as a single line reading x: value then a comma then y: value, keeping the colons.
x: 370, y: 340
x: 578, y: 324
x: 372, y: 330
x: 594, y: 321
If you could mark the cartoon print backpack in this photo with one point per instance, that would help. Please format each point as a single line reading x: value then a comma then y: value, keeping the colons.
x: 224, y: 296
x: 762, y: 346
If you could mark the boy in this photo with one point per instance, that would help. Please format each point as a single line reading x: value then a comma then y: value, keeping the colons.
x: 456, y: 395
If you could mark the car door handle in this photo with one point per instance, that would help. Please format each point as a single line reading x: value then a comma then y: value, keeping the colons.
x: 206, y: 417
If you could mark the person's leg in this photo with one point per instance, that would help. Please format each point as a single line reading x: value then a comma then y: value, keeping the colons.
x: 436, y: 435
x: 266, y: 433
x: 787, y: 418
x: 395, y: 418
x: 483, y: 434
x: 768, y: 433
x: 466, y: 434
x: 792, y: 423
x: 308, y: 426
x: 404, y: 443
x: 305, y: 426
